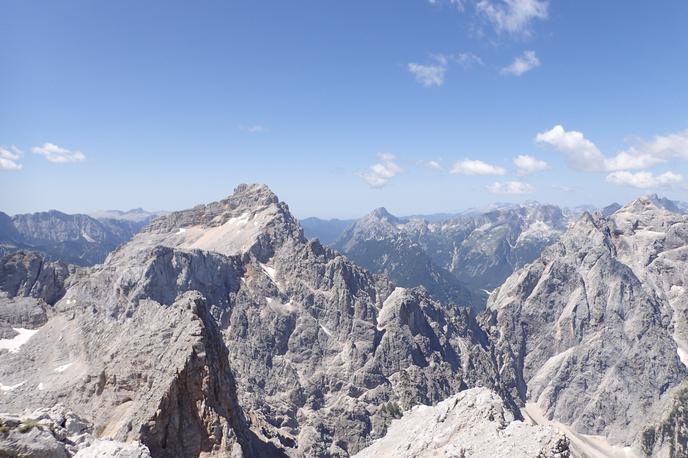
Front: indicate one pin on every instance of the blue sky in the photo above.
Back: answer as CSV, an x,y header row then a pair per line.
x,y
341,107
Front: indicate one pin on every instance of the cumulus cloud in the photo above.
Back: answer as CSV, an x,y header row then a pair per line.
x,y
644,180
9,158
582,154
510,187
475,167
55,153
528,164
522,64
513,16
432,74
379,174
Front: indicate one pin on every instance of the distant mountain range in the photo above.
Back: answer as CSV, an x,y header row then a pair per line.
x,y
76,239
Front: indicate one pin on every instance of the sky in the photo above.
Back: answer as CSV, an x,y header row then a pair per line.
x,y
340,107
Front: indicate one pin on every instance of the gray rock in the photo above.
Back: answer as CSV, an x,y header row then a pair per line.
x,y
591,332
222,330
75,239
477,250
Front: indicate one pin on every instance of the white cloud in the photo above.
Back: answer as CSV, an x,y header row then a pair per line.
x,y
528,164
513,16
433,74
644,180
582,154
429,75
510,187
55,153
475,167
9,158
663,146
378,175
458,3
432,164
252,129
468,60
522,64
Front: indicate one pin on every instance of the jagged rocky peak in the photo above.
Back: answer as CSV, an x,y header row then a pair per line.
x,y
595,330
383,214
674,206
251,217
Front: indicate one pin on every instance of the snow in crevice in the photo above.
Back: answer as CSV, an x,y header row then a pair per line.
x,y
63,368
326,331
15,343
11,387
270,271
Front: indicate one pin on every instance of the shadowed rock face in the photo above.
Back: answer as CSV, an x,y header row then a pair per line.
x,y
27,274
593,329
29,285
378,243
221,330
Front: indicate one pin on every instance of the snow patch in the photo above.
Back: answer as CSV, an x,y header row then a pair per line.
x,y
40,387
87,237
11,387
181,230
682,355
13,344
326,331
270,271
63,368
278,307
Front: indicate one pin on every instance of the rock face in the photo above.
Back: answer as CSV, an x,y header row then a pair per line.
x,y
379,243
668,435
58,433
475,251
74,239
222,330
27,274
473,423
593,332
29,285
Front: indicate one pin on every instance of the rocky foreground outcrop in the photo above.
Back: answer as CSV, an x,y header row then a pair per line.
x,y
594,331
471,424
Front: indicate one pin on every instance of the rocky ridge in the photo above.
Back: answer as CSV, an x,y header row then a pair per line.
x,y
75,239
594,331
471,424
472,252
270,343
